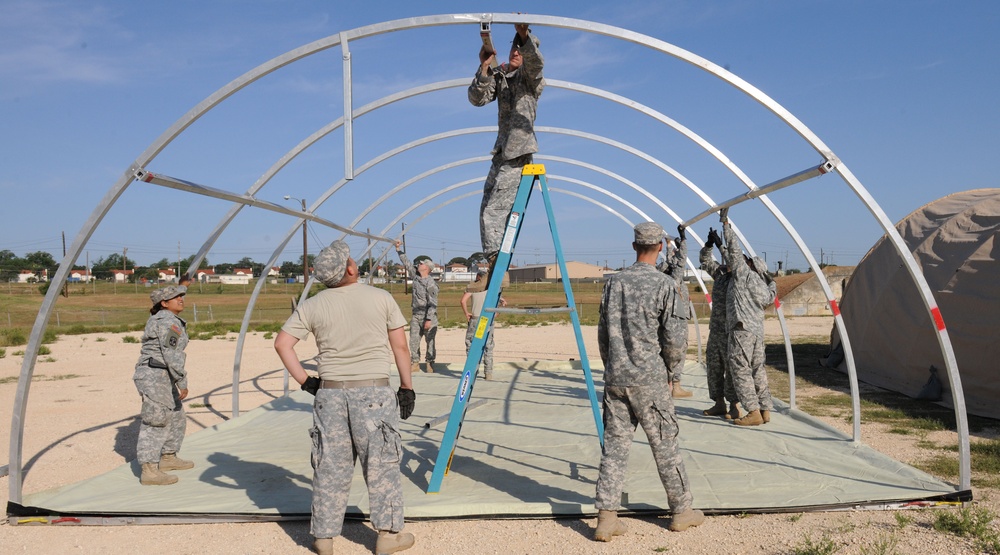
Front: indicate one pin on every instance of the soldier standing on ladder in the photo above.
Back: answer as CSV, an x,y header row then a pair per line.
x,y
516,87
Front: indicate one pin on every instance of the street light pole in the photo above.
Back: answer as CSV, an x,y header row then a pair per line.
x,y
305,242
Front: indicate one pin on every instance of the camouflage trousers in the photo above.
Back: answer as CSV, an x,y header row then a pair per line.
x,y
470,334
417,332
498,199
746,363
652,407
677,344
163,420
720,379
349,424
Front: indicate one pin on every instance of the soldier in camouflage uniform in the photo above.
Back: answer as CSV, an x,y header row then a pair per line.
x,y
359,333
516,87
680,312
630,335
423,310
476,292
161,379
720,380
750,291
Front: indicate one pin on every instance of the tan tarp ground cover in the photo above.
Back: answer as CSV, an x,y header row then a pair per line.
x,y
954,240
530,451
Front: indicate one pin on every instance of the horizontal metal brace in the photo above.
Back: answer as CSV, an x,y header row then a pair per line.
x,y
826,167
181,185
530,310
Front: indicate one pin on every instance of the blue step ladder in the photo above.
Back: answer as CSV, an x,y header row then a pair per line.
x,y
531,174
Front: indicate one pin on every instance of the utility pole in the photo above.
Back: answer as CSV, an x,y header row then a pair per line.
x,y
65,283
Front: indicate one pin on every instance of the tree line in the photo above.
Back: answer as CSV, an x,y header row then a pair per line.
x,y
103,268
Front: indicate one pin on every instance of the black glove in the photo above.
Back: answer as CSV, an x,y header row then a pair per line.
x,y
407,399
680,232
311,385
713,238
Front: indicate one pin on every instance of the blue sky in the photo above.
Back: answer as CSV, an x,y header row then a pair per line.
x,y
902,92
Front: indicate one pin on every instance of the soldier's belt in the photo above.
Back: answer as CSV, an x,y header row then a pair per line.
x,y
339,384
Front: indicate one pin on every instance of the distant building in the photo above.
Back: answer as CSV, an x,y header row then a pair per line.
x,y
274,271
802,294
121,276
29,276
205,274
167,275
550,272
80,275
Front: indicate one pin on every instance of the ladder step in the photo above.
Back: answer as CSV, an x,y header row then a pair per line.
x,y
529,310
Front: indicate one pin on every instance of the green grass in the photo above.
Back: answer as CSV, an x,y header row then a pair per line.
x,y
971,522
903,519
130,339
885,545
824,546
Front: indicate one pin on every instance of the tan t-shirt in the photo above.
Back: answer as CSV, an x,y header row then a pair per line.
x,y
350,324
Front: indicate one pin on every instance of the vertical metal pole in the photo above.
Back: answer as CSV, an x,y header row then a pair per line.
x,y
348,112
305,247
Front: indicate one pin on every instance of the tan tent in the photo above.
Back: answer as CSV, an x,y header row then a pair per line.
x,y
954,240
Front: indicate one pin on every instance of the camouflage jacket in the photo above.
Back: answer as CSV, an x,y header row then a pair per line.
x,y
749,293
424,302
631,331
164,341
720,286
517,95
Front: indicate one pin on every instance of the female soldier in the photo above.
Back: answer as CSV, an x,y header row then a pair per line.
x,y
162,382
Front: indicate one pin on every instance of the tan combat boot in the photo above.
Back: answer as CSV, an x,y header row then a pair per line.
x,y
391,542
323,546
752,418
430,366
678,392
734,411
415,367
153,476
719,409
170,461
765,415
687,519
608,526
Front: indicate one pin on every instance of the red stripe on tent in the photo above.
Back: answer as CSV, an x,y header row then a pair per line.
x,y
777,303
938,320
708,298
834,308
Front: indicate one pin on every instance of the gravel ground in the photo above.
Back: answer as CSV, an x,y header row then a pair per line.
x,y
80,423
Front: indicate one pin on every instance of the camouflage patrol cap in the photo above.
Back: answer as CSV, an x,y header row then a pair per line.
x,y
759,265
427,261
167,293
648,233
331,263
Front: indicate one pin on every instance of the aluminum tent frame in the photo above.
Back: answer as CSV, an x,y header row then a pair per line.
x,y
137,171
